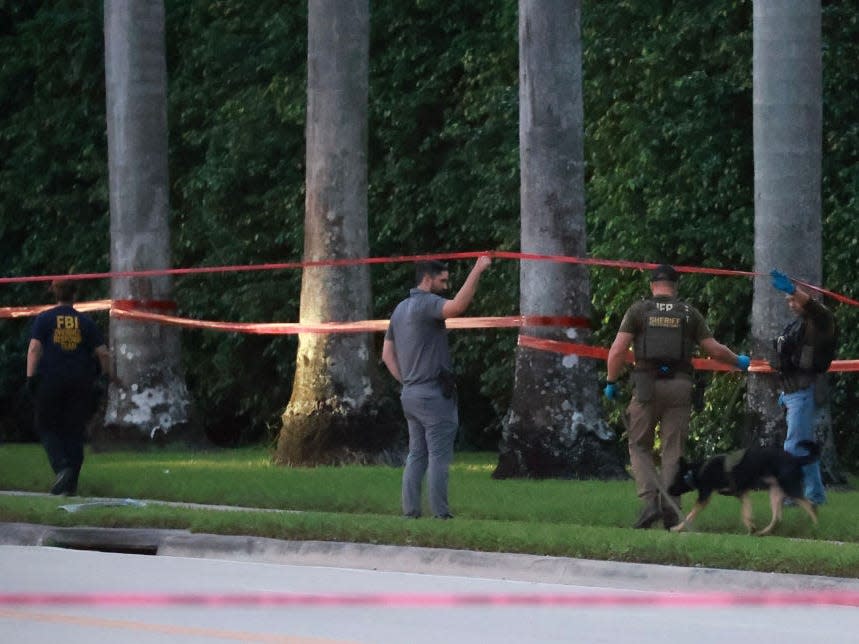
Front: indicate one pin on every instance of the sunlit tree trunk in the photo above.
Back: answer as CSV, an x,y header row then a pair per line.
x,y
787,115
153,401
555,425
334,413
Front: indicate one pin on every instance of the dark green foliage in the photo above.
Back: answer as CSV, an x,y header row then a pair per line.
x,y
668,144
841,205
668,108
53,174
444,170
237,79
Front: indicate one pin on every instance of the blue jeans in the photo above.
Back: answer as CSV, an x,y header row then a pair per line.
x,y
801,408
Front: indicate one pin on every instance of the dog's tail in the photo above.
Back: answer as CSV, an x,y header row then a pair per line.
x,y
813,452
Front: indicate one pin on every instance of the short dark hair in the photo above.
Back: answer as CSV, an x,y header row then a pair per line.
x,y
64,290
431,267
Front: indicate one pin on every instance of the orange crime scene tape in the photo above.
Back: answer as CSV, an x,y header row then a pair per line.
x,y
143,310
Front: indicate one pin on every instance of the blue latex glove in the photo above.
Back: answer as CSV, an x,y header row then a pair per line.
x,y
743,362
782,282
610,390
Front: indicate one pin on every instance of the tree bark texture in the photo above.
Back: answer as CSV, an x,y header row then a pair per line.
x,y
555,425
787,121
336,414
153,400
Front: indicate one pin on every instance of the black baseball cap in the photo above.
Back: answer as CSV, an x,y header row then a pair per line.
x,y
664,273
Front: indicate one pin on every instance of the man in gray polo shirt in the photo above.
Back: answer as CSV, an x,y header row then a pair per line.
x,y
417,354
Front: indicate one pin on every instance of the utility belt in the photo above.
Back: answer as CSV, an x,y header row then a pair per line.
x,y
662,370
644,377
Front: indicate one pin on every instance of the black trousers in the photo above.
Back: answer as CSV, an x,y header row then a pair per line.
x,y
62,408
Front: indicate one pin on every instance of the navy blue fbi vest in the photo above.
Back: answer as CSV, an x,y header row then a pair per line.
x,y
68,339
664,340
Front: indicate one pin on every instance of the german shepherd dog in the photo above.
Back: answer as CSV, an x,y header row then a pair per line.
x,y
739,473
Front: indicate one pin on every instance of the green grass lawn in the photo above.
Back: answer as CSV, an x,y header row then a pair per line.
x,y
588,519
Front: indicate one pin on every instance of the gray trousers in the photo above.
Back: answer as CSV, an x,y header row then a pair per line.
x,y
433,421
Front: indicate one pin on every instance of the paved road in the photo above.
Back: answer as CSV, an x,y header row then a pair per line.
x,y
35,570
212,567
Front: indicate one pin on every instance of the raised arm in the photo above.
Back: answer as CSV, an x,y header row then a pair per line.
x,y
458,305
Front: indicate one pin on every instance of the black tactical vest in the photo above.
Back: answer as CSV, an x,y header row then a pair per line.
x,y
664,338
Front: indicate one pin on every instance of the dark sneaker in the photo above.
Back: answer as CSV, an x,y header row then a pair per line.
x,y
412,515
649,514
63,482
443,517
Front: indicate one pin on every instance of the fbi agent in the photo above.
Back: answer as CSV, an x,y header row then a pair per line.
x,y
65,352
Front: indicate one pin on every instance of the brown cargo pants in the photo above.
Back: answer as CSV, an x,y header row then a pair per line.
x,y
669,407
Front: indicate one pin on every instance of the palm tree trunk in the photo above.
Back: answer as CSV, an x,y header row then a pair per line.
x,y
554,427
153,400
335,415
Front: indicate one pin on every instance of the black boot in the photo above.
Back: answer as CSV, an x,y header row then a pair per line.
x,y
64,481
649,514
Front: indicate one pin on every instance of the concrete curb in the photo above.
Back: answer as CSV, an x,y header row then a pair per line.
x,y
128,540
438,561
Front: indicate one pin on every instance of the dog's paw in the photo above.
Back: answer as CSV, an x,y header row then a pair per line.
x,y
679,527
